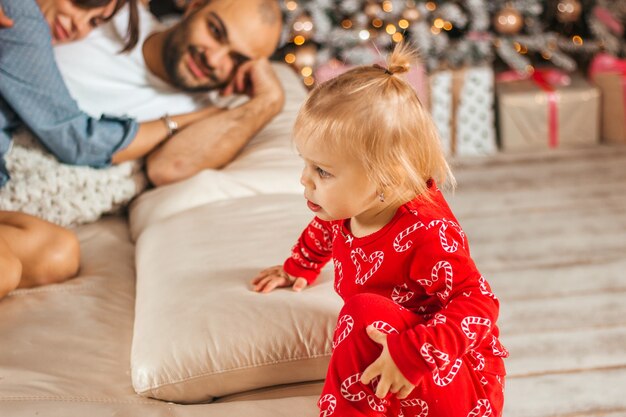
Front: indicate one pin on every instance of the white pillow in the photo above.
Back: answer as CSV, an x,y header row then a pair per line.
x,y
268,164
200,332
67,195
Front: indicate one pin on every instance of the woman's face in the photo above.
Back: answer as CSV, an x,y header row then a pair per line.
x,y
69,22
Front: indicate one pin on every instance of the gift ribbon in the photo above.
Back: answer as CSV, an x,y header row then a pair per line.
x,y
546,79
603,63
609,20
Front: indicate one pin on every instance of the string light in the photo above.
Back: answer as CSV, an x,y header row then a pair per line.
x,y
346,23
387,6
364,34
403,23
309,81
299,40
390,29
291,5
447,26
438,23
290,58
306,71
577,40
431,6
434,30
397,37
377,23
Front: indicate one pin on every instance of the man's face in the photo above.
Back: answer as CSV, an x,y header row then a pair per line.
x,y
204,50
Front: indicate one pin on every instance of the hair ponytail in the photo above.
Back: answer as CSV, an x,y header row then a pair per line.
x,y
400,60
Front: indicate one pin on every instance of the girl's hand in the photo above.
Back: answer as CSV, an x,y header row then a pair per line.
x,y
275,277
5,21
391,379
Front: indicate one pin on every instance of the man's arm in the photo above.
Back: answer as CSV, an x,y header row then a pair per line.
x,y
216,140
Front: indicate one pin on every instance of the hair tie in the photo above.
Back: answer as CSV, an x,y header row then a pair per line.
x,y
383,68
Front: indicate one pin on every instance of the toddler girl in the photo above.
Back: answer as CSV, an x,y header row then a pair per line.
x,y
417,335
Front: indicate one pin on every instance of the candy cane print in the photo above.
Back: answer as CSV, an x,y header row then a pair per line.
x,y
501,381
376,256
398,240
331,403
338,275
328,243
428,351
482,409
434,276
484,290
478,357
383,327
443,238
415,402
376,404
497,348
447,268
438,319
349,382
303,262
349,322
474,321
442,381
401,294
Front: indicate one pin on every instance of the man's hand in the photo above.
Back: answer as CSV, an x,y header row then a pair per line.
x,y
257,79
5,22
275,277
391,379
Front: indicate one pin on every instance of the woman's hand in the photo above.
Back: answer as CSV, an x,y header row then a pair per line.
x,y
391,379
275,277
5,22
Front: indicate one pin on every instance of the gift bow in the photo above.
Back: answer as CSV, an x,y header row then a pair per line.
x,y
604,62
546,79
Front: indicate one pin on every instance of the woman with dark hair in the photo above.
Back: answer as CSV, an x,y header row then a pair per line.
x,y
33,95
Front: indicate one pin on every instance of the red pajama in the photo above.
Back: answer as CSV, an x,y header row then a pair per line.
x,y
415,281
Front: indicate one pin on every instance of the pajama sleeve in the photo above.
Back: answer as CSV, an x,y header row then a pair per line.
x,y
312,251
442,266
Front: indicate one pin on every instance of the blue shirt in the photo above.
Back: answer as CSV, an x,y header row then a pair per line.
x,y
33,94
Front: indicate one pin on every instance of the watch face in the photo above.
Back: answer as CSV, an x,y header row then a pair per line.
x,y
171,125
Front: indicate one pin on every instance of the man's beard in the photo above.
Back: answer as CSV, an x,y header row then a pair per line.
x,y
174,49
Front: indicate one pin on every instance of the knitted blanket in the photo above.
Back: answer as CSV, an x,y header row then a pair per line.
x,y
67,195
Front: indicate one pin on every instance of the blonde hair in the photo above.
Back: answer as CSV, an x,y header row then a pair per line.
x,y
376,117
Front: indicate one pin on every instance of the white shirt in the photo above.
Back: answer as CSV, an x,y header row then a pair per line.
x,y
103,80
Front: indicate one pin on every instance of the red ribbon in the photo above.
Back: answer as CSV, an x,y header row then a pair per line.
x,y
603,63
546,79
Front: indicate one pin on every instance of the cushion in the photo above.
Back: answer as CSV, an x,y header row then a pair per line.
x,y
67,195
269,164
200,331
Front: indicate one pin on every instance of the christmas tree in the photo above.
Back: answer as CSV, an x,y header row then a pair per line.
x,y
452,34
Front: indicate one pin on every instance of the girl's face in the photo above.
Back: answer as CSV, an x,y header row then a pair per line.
x,y
336,186
69,22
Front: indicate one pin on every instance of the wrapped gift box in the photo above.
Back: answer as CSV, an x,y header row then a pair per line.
x,y
609,75
525,120
462,109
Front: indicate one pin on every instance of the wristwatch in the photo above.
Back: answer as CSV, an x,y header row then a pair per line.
x,y
171,125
